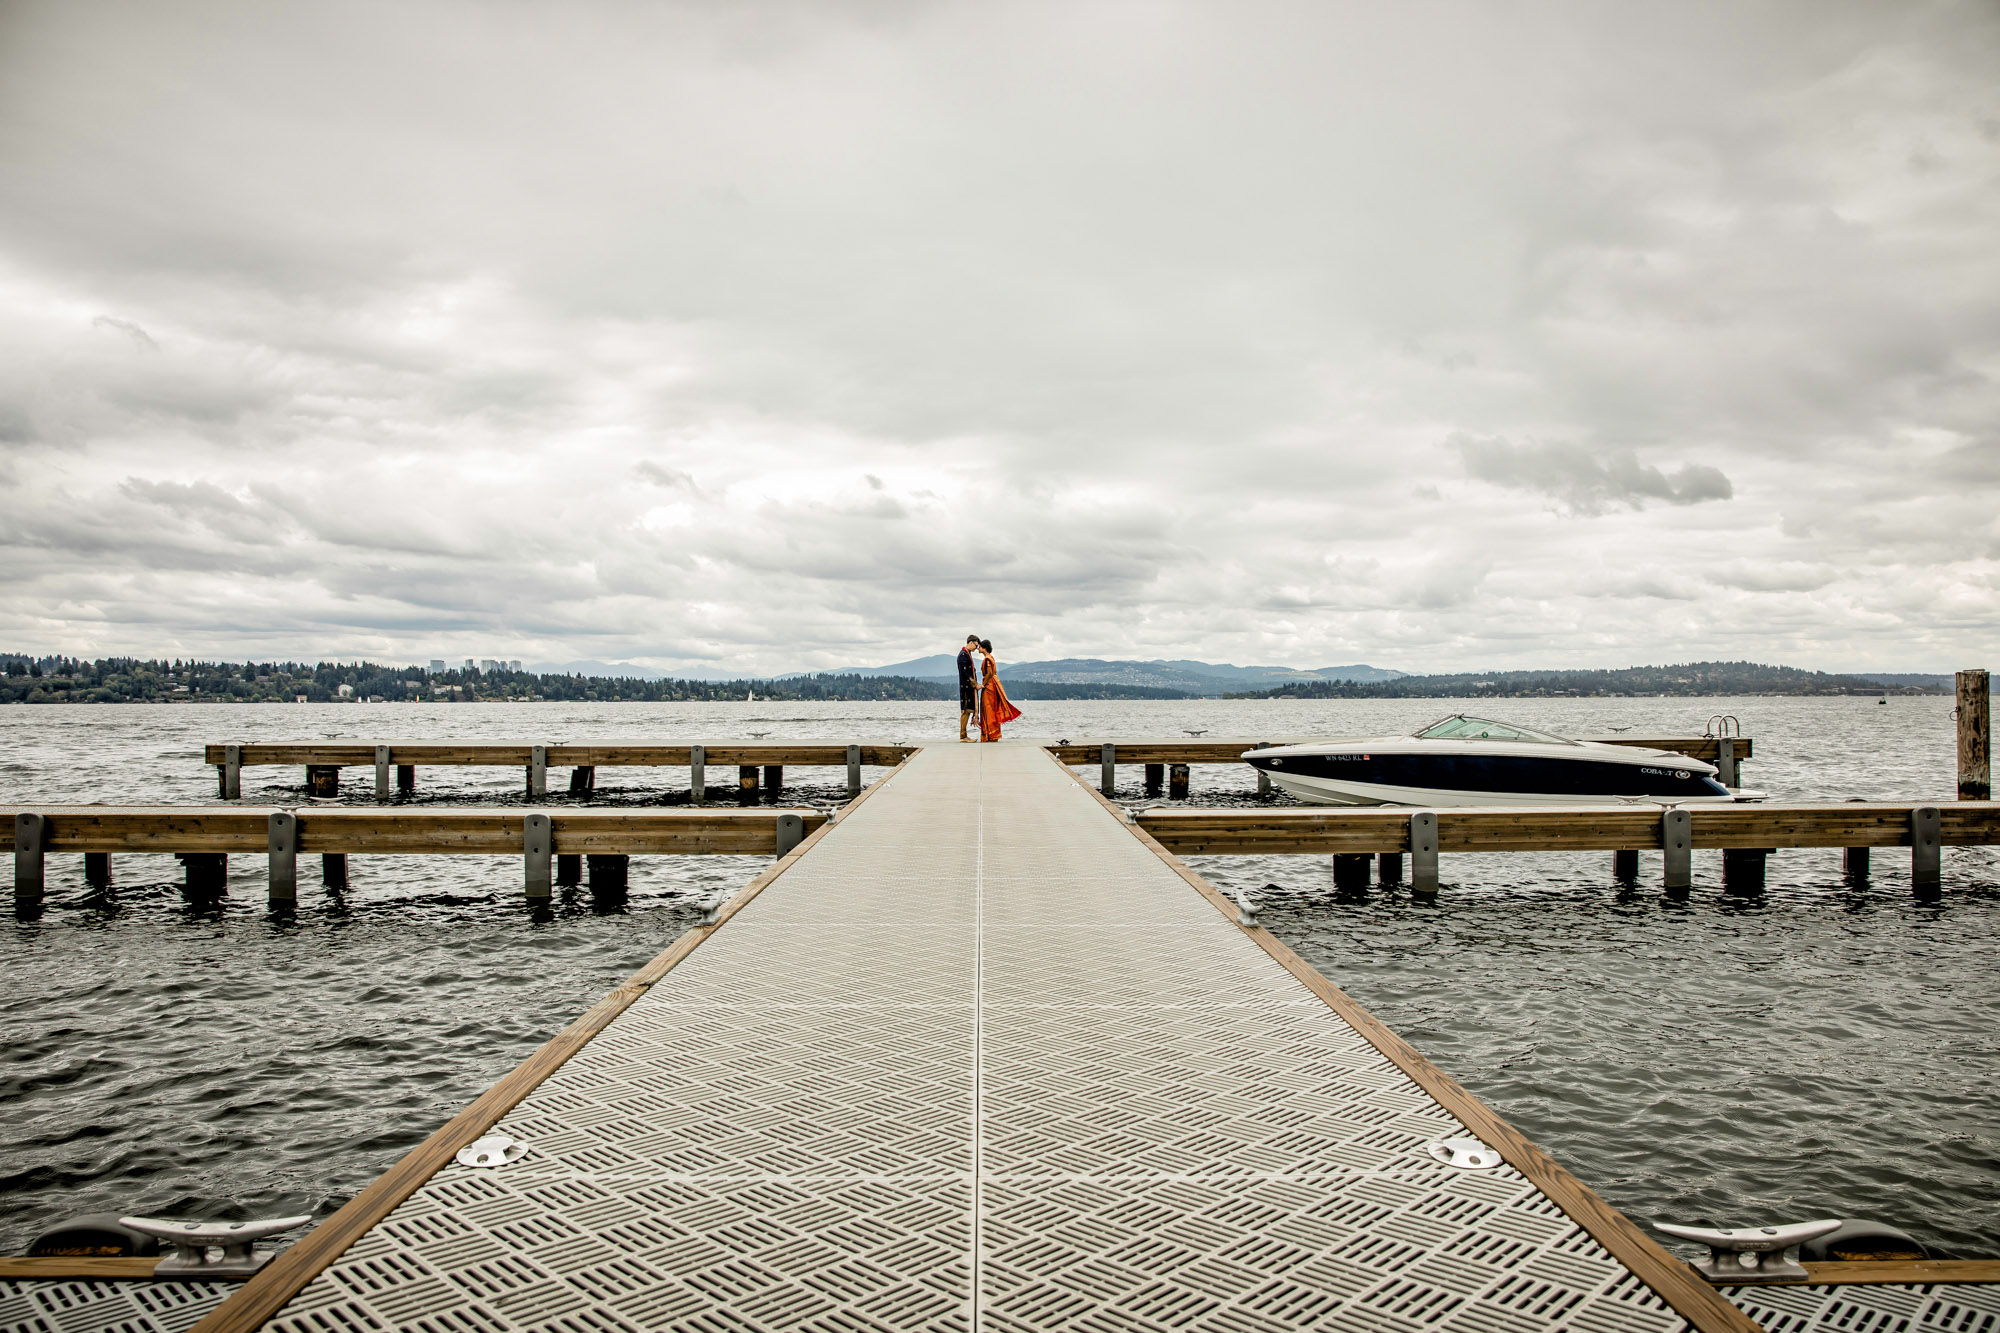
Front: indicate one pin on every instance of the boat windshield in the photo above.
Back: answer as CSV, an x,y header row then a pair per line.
x,y
1459,727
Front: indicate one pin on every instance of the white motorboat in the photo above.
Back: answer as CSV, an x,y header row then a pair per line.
x,y
1476,761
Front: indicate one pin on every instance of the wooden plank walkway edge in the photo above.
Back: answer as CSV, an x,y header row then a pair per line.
x,y
281,1279
402,831
1674,1281
590,754
1363,829
1139,750
875,754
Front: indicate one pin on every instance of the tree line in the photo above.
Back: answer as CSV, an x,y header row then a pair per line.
x,y
1691,678
107,680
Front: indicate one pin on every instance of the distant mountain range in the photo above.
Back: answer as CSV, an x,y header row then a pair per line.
x,y
1209,678
1690,678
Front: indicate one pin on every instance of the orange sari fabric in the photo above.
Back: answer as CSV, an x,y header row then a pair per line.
x,y
994,708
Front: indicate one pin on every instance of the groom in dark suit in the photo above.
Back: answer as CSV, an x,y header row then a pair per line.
x,y
968,685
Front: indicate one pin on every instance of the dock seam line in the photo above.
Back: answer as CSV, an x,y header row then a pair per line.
x,y
1685,1291
273,1287
978,1043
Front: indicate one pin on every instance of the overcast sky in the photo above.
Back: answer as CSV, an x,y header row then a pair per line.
x,y
768,336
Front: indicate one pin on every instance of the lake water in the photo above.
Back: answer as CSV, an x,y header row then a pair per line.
x,y
1816,1049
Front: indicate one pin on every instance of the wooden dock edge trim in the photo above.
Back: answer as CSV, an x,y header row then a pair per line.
x,y
286,1275
1899,1272
1674,1282
84,1268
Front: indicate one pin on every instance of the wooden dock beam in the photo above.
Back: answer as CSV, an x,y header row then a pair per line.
x,y
204,837
1140,751
1676,832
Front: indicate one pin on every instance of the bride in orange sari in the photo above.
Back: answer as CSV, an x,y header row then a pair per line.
x,y
994,708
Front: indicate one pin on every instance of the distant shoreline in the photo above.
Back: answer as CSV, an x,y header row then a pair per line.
x,y
71,681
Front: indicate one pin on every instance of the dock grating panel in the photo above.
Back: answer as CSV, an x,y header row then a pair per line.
x,y
1872,1309
979,1060
106,1307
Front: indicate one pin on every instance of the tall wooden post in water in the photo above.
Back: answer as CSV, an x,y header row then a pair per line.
x,y
1975,736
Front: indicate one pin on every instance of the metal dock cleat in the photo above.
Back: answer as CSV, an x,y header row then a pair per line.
x,y
1246,911
493,1150
193,1240
1464,1154
1741,1255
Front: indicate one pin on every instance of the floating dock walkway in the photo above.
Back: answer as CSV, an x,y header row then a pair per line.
x,y
980,1058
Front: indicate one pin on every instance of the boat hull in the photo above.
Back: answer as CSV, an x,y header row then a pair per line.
x,y
1415,771
1321,791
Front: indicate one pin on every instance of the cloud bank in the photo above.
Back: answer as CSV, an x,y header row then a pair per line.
x,y
779,336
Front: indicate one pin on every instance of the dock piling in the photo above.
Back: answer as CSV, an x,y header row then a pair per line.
x,y
583,780
1926,847
1156,777
697,774
229,773
608,874
1854,864
1625,865
97,869
538,771
282,843
1424,854
537,845
323,780
1350,870
1975,736
1107,769
746,783
1743,869
853,771
205,872
569,869
1389,867
774,780
1677,850
30,834
381,772
333,870
1177,782
406,778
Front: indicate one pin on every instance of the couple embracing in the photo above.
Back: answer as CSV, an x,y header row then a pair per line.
x,y
985,696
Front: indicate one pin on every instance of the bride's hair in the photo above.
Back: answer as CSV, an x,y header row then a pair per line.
x,y
986,645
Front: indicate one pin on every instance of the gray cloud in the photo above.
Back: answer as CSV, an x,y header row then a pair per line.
x,y
791,335
125,326
1587,480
